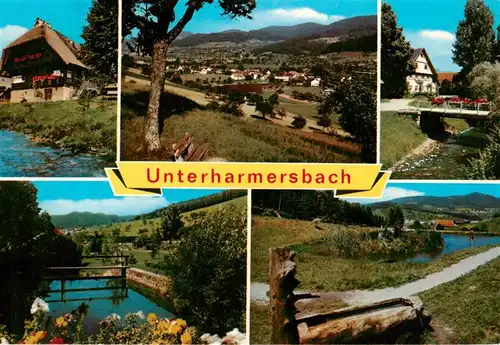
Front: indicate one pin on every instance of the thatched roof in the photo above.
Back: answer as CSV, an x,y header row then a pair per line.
x,y
63,46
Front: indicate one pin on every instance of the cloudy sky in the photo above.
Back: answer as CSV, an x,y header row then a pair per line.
x,y
63,197
432,24
396,190
66,16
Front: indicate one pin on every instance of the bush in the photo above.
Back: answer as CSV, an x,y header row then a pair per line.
x,y
345,243
208,271
299,122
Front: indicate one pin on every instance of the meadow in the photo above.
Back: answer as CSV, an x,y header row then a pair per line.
x,y
233,139
319,272
465,311
64,124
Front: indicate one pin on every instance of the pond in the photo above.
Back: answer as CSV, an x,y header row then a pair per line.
x,y
448,161
19,156
454,243
103,303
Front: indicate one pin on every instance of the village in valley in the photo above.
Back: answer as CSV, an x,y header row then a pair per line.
x,y
58,91
266,94
403,269
439,108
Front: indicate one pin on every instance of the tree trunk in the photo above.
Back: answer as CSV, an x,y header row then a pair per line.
x,y
159,64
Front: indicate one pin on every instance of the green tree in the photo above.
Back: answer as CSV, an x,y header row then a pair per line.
x,y
155,20
172,223
395,55
484,80
487,165
100,49
299,122
475,37
208,271
396,219
356,102
324,121
267,106
28,245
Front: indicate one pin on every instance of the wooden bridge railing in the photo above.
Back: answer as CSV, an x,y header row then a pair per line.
x,y
72,273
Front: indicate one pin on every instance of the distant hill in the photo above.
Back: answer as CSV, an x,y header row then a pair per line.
x,y
128,43
474,200
80,219
352,34
195,204
346,28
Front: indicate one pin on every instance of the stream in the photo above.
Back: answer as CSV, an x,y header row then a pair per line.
x,y
21,157
448,161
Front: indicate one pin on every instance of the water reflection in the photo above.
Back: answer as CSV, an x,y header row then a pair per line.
x,y
454,243
119,299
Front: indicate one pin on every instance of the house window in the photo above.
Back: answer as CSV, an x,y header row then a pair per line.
x,y
425,66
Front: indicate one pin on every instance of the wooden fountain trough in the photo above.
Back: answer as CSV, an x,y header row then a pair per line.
x,y
400,320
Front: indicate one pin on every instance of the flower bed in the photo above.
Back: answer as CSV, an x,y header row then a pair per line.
x,y
136,328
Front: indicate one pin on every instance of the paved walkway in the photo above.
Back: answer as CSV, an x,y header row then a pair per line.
x,y
359,297
396,104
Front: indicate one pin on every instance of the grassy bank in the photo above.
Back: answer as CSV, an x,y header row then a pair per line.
x,y
319,272
64,125
229,138
465,311
399,135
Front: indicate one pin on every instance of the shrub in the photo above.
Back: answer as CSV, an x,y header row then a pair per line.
x,y
299,122
208,271
346,243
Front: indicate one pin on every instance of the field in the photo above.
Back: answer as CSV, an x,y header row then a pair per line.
x,y
399,135
233,139
465,311
64,124
319,272
132,228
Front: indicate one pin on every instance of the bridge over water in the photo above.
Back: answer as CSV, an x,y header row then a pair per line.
x,y
429,118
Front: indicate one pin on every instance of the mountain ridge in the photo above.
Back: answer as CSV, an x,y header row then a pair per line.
x,y
472,200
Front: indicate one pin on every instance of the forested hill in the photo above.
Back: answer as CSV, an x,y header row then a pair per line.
x,y
194,204
81,219
473,200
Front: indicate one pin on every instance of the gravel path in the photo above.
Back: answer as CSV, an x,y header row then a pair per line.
x,y
359,297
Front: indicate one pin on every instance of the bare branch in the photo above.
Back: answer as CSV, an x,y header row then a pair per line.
x,y
177,29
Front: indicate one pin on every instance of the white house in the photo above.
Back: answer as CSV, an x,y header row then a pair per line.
x,y
316,82
237,76
425,78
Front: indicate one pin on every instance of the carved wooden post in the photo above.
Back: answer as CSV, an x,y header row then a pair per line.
x,y
282,282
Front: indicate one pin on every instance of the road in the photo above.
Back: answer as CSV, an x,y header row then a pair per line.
x,y
396,104
361,297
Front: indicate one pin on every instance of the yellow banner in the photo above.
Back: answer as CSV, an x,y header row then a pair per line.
x,y
149,178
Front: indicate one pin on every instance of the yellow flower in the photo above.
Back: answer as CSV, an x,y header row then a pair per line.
x,y
175,329
186,339
152,318
163,326
61,322
36,338
181,323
